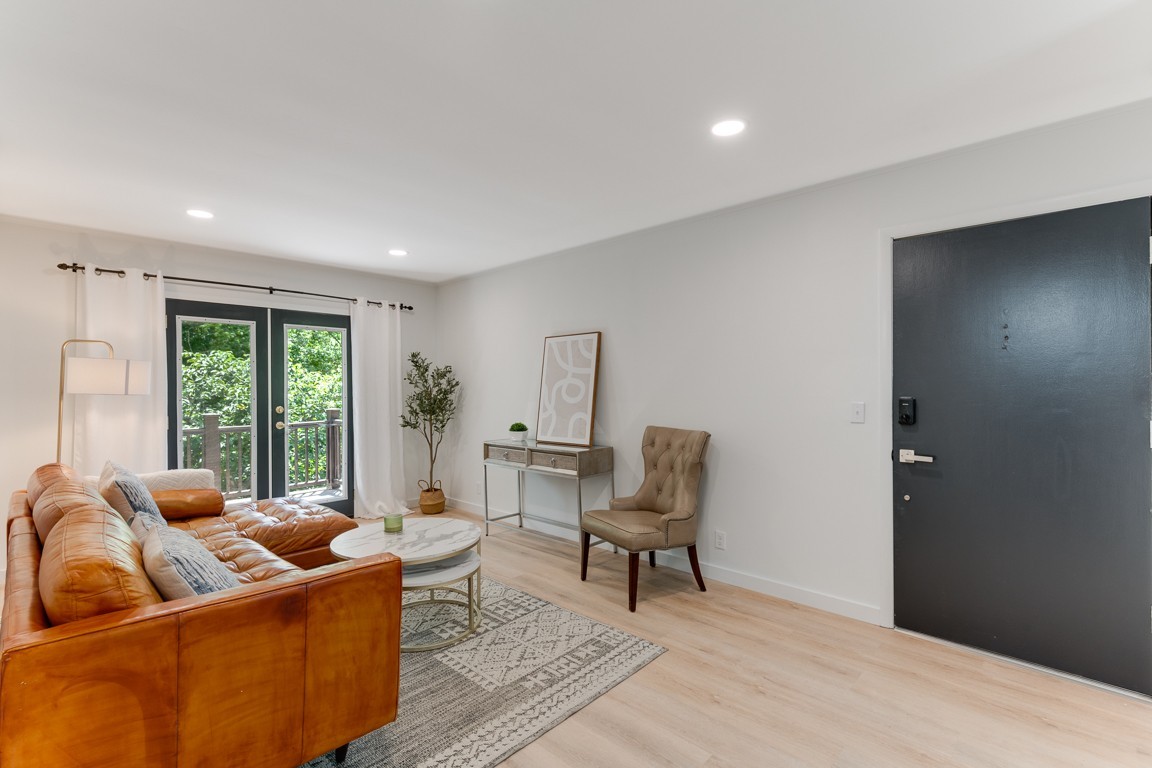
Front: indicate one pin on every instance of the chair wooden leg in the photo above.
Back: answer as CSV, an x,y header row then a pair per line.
x,y
696,567
652,558
584,539
633,573
341,753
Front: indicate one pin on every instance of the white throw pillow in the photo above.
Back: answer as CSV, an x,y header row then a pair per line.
x,y
178,479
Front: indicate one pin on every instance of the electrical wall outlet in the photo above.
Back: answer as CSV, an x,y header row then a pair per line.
x,y
720,539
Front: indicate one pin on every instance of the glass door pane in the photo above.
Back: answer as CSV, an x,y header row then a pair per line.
x,y
315,409
311,448
218,394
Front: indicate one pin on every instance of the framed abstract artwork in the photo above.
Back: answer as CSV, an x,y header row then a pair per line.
x,y
568,389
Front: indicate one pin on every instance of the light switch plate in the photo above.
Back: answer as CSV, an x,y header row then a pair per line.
x,y
857,415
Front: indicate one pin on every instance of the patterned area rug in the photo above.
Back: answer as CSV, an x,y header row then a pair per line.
x,y
529,666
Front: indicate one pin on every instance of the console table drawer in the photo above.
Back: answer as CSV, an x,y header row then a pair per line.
x,y
510,455
564,462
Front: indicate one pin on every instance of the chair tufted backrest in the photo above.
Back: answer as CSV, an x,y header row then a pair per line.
x,y
672,462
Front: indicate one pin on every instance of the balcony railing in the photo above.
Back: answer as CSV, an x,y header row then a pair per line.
x,y
315,454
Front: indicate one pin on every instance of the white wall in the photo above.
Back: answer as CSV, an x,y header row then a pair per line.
x,y
761,324
39,314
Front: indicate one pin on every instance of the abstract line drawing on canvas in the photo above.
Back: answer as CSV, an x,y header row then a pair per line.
x,y
567,388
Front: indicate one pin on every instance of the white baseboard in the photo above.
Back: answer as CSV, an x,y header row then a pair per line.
x,y
467,506
790,592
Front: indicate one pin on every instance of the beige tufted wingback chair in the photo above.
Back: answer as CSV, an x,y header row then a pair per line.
x,y
662,513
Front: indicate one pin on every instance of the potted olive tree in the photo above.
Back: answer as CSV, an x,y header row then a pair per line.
x,y
428,408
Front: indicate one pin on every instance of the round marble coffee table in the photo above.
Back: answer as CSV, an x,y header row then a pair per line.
x,y
436,554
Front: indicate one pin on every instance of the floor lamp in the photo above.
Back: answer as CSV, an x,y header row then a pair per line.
x,y
98,376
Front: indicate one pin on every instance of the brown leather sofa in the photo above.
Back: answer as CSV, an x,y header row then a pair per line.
x,y
287,666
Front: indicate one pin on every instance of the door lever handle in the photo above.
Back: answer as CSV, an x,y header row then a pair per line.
x,y
909,456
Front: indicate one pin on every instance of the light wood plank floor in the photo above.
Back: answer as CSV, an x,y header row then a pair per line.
x,y
749,680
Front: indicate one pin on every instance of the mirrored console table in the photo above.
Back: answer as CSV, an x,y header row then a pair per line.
x,y
544,459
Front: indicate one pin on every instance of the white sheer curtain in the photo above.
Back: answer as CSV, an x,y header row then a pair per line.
x,y
376,379
127,312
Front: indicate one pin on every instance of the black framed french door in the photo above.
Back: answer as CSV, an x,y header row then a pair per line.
x,y
263,398
311,386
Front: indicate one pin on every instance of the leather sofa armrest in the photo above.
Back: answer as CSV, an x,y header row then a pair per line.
x,y
266,672
129,618
18,506
623,503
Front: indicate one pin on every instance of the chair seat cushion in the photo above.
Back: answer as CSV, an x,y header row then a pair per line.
x,y
636,530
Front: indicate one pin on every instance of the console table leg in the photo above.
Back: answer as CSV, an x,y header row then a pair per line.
x,y
520,497
485,499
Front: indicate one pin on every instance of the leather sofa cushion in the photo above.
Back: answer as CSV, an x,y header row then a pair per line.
x,y
92,565
182,504
57,500
282,525
245,558
43,477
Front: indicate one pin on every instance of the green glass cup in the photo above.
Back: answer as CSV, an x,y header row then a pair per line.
x,y
393,523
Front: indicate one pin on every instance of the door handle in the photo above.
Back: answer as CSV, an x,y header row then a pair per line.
x,y
909,456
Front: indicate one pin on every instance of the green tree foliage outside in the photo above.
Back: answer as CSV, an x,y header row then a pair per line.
x,y
216,375
315,383
217,378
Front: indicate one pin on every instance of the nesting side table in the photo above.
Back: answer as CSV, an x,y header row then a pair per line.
x,y
436,554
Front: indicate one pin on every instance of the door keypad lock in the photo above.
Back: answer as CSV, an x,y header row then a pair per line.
x,y
906,411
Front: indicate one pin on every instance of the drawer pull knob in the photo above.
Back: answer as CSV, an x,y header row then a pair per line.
x,y
505,455
552,461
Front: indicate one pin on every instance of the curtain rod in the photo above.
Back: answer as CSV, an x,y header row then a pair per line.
x,y
74,267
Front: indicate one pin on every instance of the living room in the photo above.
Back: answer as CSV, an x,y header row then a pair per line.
x,y
760,321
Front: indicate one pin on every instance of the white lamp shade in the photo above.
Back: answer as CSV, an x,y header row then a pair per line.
x,y
107,376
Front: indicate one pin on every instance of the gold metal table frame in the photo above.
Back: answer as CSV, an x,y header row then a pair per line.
x,y
446,578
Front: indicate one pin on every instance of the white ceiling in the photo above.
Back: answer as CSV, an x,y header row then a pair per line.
x,y
476,133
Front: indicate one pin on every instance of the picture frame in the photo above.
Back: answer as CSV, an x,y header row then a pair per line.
x,y
568,377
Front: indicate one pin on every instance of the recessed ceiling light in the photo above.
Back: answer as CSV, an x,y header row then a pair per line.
x,y
728,127
397,252
198,214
